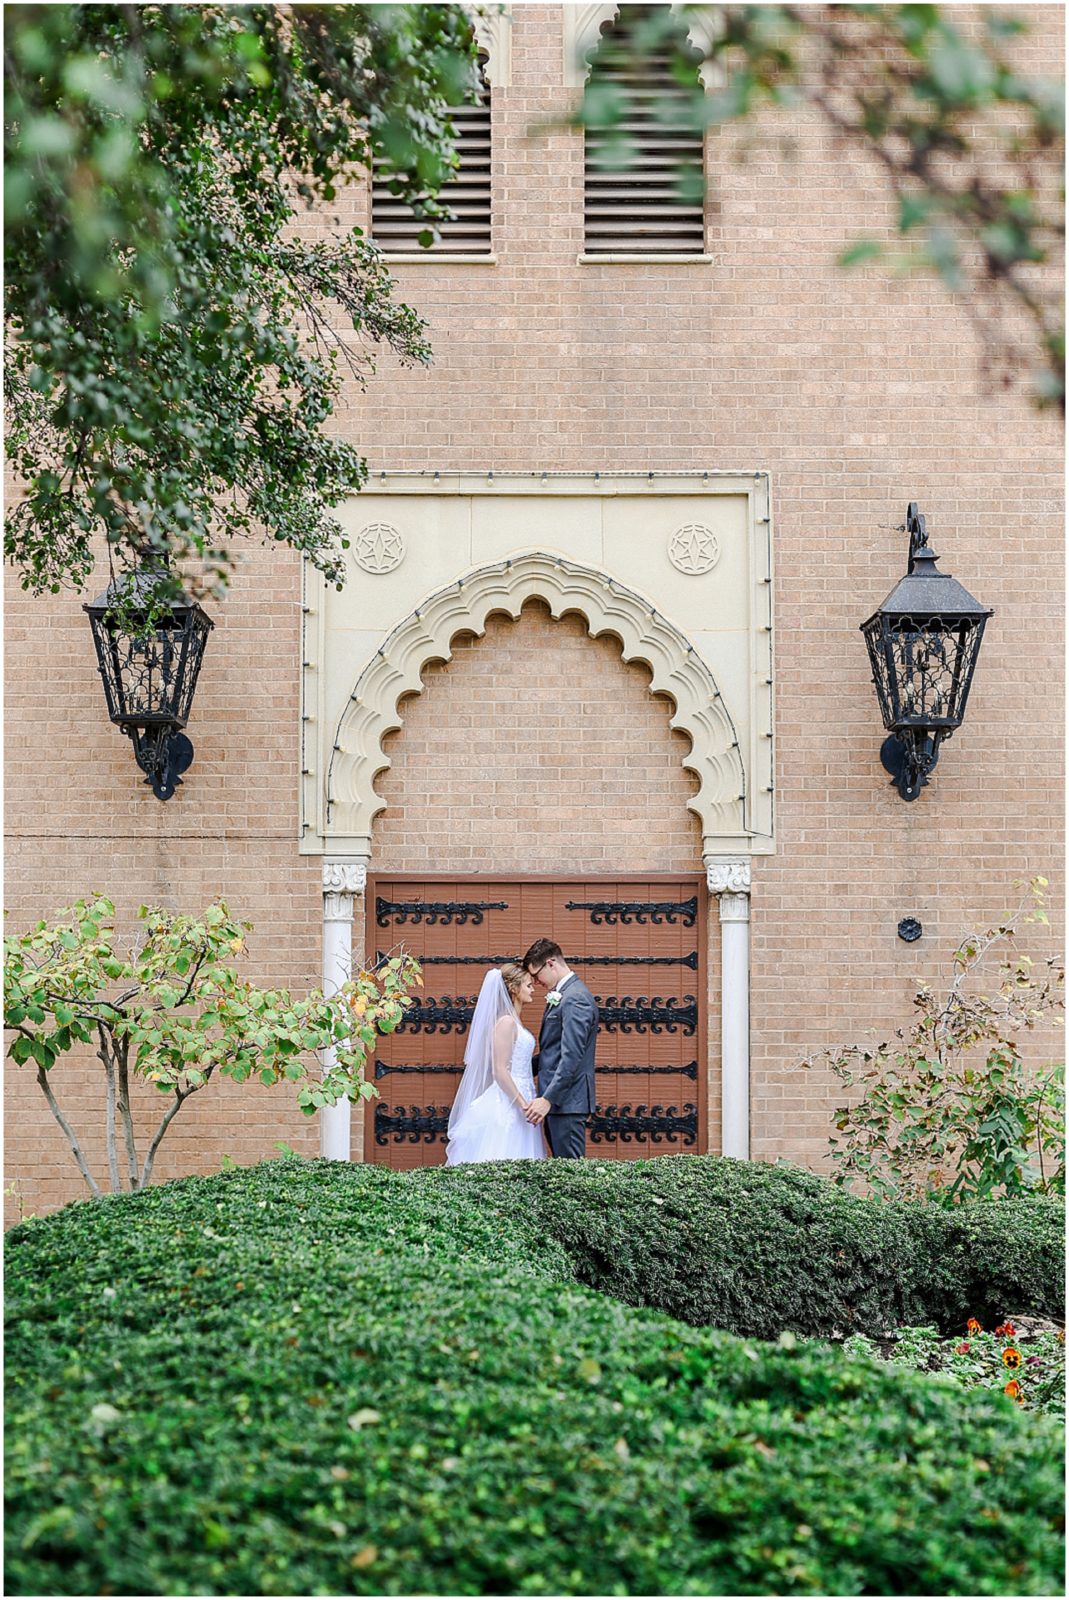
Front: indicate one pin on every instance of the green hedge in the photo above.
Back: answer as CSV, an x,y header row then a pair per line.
x,y
996,1256
757,1249
308,1378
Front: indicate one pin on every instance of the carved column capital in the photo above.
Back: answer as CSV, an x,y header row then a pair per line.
x,y
344,877
728,875
734,908
342,880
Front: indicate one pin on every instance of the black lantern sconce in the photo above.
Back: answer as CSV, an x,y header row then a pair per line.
x,y
923,643
150,672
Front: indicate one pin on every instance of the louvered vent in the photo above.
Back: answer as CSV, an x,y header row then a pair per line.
x,y
396,228
636,209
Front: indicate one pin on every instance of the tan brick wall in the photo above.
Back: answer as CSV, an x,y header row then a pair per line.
x,y
857,393
536,749
78,819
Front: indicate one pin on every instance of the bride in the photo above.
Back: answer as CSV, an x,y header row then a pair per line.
x,y
487,1121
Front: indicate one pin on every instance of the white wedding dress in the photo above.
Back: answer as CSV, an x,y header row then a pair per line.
x,y
492,1128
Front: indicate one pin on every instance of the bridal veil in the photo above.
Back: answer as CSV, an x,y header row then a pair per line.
x,y
493,1004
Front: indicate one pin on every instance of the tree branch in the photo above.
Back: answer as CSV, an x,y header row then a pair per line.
x,y
109,1112
83,1007
184,996
180,1097
124,1110
46,1087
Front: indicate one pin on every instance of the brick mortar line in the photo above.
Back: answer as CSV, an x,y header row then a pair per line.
x,y
170,838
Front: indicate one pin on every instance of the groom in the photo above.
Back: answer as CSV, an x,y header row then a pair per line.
x,y
565,1051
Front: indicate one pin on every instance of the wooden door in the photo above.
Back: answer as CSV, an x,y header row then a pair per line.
x,y
638,944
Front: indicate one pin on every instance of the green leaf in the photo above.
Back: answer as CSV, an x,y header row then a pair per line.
x,y
861,250
959,71
47,137
941,251
913,209
89,78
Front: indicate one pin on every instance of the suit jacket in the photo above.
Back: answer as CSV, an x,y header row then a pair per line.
x,y
566,1051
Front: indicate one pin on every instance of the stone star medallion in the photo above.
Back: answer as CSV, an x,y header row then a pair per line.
x,y
379,548
694,549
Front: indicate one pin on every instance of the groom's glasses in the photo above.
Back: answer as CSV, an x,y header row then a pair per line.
x,y
537,970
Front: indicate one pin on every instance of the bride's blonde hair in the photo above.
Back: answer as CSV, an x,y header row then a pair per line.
x,y
512,976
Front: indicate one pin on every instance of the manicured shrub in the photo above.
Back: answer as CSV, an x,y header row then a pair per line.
x,y
757,1249
992,1258
307,1378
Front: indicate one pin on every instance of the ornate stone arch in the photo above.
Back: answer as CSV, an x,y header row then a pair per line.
x,y
607,607
493,30
582,31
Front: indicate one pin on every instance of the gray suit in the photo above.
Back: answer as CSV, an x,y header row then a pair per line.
x,y
566,1067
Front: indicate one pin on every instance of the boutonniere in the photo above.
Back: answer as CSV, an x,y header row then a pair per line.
x,y
553,998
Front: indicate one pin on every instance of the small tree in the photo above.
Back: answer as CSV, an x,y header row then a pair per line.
x,y
175,1012
949,1108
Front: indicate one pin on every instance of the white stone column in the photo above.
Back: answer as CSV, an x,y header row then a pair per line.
x,y
342,882
729,880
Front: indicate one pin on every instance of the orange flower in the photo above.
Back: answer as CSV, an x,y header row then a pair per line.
x,y
1007,1330
1011,1357
1013,1389
973,1326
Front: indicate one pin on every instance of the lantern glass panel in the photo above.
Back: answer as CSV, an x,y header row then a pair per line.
x,y
150,678
926,658
145,666
922,668
935,658
881,661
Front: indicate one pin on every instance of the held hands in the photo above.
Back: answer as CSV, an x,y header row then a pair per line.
x,y
538,1110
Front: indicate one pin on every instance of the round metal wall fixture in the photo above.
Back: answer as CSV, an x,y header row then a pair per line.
x,y
694,549
909,929
379,548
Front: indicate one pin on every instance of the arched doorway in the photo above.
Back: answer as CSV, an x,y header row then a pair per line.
x,y
672,569
535,788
